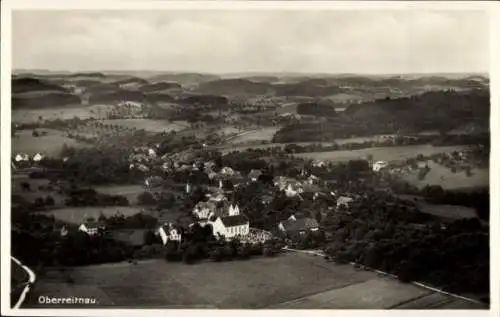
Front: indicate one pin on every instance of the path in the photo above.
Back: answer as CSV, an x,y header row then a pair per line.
x,y
27,287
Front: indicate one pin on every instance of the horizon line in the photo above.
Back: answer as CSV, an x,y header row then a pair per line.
x,y
248,72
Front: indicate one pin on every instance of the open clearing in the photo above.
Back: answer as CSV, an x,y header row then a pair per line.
x,y
129,191
50,144
241,147
255,283
393,153
443,176
148,124
452,212
264,134
37,189
76,215
63,113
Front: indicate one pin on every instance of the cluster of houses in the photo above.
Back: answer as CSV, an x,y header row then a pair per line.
x,y
293,187
24,160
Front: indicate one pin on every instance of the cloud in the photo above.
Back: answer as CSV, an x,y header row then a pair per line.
x,y
235,41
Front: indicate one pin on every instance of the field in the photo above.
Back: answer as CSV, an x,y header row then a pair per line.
x,y
240,147
264,134
148,124
393,153
129,191
256,283
63,113
440,175
289,107
77,215
35,190
50,145
447,211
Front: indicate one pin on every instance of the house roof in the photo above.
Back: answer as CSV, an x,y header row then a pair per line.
x,y
94,224
206,204
254,173
170,226
232,221
344,199
300,224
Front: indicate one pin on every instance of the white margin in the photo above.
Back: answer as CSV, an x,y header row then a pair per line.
x,y
8,5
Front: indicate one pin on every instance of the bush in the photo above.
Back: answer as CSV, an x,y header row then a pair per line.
x,y
146,198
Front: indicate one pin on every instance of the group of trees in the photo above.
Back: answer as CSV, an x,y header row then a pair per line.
x,y
37,240
95,166
441,110
137,221
393,236
89,197
317,109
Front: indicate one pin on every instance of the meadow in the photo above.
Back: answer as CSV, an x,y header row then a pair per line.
x,y
63,113
50,144
447,211
443,176
256,283
76,215
38,189
148,124
129,191
264,134
393,153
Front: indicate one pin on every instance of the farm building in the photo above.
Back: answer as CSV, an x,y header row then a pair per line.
x,y
378,166
92,227
253,175
38,157
203,209
344,201
169,232
298,226
227,171
22,157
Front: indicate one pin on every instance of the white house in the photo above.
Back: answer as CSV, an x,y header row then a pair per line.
x,y
151,153
217,197
231,226
38,157
91,227
292,192
379,165
293,225
143,168
227,171
203,209
22,157
422,164
318,164
312,179
344,201
169,232
254,174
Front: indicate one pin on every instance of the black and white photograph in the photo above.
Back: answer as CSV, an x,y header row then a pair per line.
x,y
247,156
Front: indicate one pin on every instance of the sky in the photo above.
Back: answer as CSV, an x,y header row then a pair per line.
x,y
222,41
